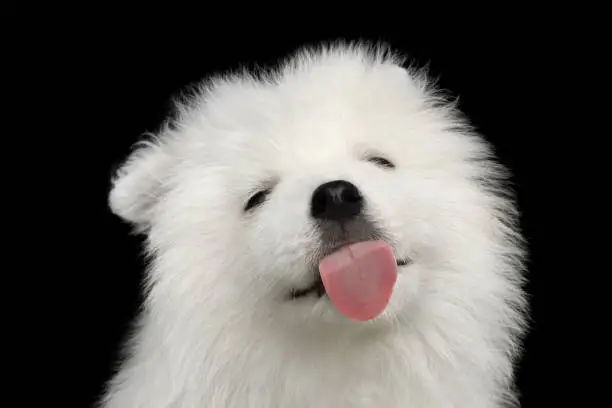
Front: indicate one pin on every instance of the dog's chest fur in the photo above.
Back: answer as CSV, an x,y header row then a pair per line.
x,y
255,370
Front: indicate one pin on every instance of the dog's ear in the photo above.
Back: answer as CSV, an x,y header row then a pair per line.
x,y
138,183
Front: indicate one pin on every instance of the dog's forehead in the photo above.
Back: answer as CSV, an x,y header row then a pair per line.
x,y
324,112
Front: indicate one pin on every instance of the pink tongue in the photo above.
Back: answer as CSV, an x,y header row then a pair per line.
x,y
359,279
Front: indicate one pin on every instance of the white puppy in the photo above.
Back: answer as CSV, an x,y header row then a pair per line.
x,y
331,234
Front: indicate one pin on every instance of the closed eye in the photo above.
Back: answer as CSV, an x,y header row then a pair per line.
x,y
256,200
381,162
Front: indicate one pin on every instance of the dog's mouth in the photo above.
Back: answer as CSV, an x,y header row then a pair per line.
x,y
317,289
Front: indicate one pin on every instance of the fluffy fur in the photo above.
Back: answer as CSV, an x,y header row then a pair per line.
x,y
217,329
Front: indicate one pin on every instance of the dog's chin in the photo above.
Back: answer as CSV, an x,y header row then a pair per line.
x,y
314,314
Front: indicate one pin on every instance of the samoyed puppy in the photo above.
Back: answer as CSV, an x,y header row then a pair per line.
x,y
328,234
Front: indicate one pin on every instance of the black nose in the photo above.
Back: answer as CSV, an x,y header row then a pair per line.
x,y
336,201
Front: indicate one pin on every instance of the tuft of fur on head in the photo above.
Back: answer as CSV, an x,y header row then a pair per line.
x,y
217,328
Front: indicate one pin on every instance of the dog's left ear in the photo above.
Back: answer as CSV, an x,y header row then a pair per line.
x,y
412,78
139,183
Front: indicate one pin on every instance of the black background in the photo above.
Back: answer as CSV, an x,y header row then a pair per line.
x,y
116,78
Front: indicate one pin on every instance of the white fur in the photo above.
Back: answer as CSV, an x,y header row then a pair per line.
x,y
216,329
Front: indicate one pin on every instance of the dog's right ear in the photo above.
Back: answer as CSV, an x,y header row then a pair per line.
x,y
138,184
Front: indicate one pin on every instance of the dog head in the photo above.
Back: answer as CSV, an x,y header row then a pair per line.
x,y
260,178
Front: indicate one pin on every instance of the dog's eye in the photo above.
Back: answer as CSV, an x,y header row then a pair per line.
x,y
381,162
256,200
